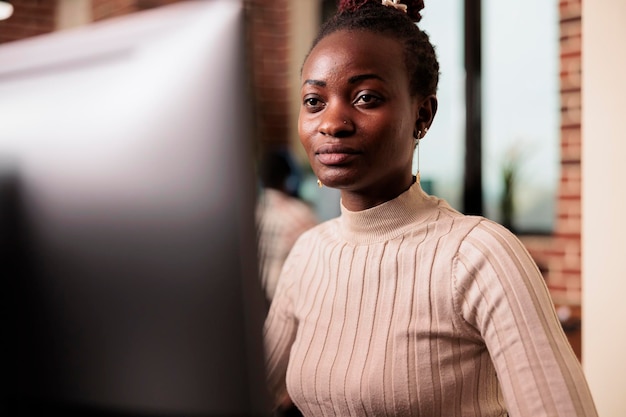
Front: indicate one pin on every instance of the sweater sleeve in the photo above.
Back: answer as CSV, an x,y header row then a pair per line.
x,y
501,293
280,328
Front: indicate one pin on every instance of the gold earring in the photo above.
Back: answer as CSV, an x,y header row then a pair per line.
x,y
319,183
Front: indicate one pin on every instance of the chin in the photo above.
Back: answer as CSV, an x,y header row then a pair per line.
x,y
341,182
338,174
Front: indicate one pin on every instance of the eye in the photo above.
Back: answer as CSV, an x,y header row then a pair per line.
x,y
367,100
312,103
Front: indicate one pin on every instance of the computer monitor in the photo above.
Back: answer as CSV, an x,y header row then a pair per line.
x,y
128,256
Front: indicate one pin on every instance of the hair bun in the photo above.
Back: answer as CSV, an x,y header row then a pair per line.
x,y
414,7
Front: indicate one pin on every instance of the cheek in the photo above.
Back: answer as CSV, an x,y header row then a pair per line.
x,y
397,143
304,132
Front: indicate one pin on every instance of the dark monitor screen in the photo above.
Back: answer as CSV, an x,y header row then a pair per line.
x,y
128,252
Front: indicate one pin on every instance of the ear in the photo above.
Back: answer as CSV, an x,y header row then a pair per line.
x,y
425,113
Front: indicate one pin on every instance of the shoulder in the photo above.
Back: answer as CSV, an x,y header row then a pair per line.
x,y
475,245
491,256
494,276
491,239
471,231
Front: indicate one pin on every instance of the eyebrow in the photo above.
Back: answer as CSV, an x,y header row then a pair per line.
x,y
352,80
356,78
315,82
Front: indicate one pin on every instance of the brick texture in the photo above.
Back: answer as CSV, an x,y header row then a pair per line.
x,y
104,9
30,18
268,25
565,279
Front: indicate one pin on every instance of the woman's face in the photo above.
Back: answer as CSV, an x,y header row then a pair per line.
x,y
357,116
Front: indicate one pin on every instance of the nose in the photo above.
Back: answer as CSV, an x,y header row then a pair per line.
x,y
335,122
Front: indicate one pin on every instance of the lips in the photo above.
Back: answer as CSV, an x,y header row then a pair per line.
x,y
335,154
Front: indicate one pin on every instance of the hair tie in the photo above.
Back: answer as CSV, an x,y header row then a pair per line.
x,y
395,4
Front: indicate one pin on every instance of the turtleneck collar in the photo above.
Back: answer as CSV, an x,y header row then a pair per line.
x,y
390,219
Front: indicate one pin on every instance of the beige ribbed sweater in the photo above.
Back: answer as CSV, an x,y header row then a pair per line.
x,y
413,309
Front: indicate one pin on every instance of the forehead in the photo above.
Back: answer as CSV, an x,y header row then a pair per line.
x,y
350,52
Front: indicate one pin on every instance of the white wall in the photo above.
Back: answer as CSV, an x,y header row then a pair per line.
x,y
604,203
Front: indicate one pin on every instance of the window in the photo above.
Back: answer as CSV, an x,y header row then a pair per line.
x,y
521,114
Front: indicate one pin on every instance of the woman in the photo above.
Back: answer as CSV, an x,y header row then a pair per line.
x,y
402,305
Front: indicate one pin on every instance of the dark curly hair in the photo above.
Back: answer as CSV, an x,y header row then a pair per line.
x,y
372,16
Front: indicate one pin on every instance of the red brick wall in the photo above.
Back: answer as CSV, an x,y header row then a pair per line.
x,y
566,279
268,39
104,9
30,18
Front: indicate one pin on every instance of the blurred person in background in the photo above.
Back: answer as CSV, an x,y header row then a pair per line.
x,y
282,216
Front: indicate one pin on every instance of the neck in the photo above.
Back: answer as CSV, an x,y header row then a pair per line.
x,y
358,200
